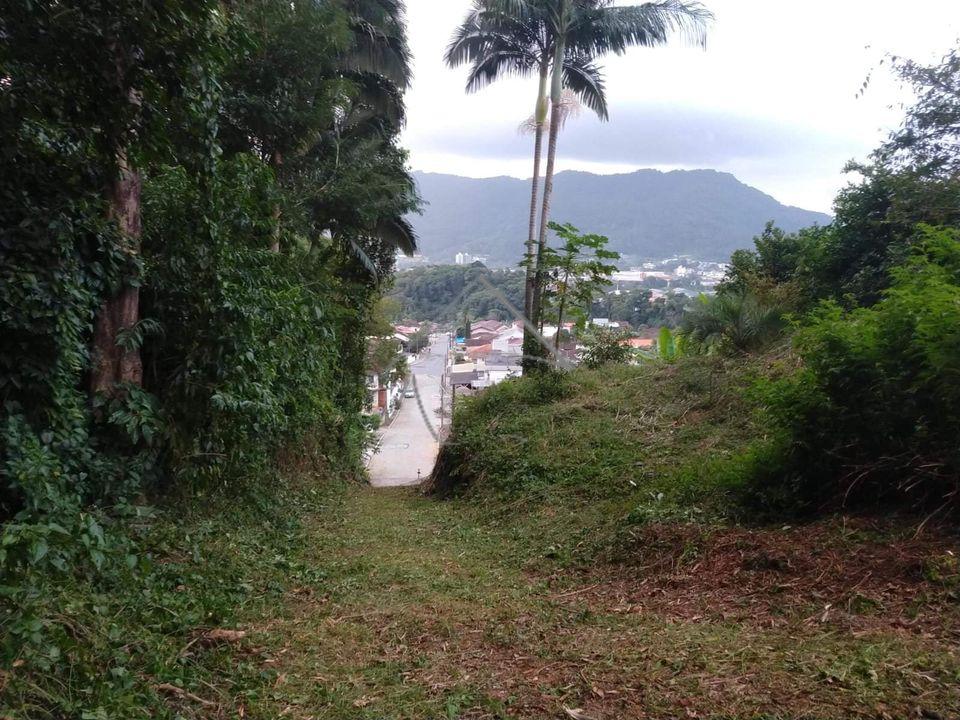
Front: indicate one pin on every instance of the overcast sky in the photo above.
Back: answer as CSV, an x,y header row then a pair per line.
x,y
773,99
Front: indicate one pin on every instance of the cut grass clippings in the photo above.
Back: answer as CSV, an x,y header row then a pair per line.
x,y
428,611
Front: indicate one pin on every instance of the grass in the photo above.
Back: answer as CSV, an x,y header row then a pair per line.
x,y
382,605
598,453
589,568
134,642
430,611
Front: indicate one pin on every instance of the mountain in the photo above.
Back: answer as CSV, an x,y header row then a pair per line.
x,y
647,214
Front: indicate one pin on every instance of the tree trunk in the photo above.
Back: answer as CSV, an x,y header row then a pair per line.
x,y
277,162
112,364
545,216
563,303
540,117
556,97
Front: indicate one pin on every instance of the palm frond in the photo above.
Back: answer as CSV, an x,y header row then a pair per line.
x,y
497,65
360,254
398,233
585,79
600,28
376,51
376,95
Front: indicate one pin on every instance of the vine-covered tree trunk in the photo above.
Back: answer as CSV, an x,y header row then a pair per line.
x,y
111,363
277,162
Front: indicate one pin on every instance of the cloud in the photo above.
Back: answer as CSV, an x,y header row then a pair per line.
x,y
653,136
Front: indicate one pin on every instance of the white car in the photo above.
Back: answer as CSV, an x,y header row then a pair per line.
x,y
410,394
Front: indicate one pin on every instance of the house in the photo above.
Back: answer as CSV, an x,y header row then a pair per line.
x,y
509,341
479,352
492,327
639,343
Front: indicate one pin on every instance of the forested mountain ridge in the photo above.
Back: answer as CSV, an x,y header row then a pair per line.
x,y
646,214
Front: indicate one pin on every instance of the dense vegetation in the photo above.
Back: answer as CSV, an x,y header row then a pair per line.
x,y
638,307
199,205
445,293
851,331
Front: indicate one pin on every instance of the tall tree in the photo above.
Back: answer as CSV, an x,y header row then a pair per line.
x,y
579,270
113,75
500,40
588,29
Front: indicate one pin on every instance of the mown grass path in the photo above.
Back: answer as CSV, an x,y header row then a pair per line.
x,y
424,611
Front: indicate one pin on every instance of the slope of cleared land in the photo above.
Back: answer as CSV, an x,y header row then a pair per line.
x,y
597,563
427,609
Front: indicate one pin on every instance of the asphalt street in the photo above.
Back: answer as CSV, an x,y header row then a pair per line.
x,y
408,446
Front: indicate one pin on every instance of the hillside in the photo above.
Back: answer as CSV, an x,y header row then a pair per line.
x,y
646,214
638,495
443,293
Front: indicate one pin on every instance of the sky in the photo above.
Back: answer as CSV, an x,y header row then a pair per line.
x,y
776,98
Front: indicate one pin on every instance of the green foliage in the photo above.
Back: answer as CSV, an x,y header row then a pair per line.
x,y
614,443
272,209
911,180
574,273
928,143
637,307
231,367
668,346
98,636
444,293
732,321
875,412
603,346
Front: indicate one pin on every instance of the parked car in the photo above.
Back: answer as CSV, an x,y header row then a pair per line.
x,y
410,394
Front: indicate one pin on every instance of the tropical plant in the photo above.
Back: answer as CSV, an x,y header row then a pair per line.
x,y
603,346
732,321
577,271
499,40
669,346
875,410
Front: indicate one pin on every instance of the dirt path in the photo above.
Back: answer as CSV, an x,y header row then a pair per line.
x,y
421,611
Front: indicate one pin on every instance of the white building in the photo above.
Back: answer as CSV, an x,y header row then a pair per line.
x,y
509,342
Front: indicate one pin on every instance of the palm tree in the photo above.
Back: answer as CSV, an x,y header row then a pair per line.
x,y
377,63
378,60
498,41
559,40
588,29
734,321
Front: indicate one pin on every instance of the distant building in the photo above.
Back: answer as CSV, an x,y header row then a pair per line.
x,y
462,258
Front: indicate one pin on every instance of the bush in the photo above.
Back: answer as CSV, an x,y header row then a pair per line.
x,y
605,347
876,410
230,363
733,321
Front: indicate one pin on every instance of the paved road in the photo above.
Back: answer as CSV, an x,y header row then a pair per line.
x,y
407,445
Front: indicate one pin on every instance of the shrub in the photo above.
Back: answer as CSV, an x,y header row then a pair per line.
x,y
733,321
876,410
605,347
